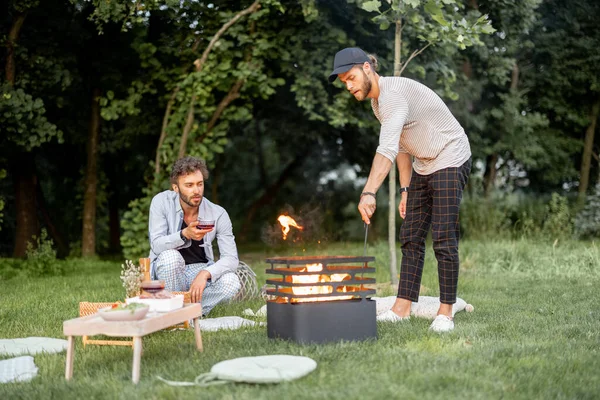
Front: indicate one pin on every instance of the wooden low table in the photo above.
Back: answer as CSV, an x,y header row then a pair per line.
x,y
95,325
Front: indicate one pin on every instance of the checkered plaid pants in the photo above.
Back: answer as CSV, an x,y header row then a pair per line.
x,y
170,267
433,202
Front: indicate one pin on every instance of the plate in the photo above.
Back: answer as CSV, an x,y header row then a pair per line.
x,y
123,315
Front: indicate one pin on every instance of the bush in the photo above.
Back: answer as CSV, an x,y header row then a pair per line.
x,y
483,217
41,257
134,225
10,268
587,223
557,223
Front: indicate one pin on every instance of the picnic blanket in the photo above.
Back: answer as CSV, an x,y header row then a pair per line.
x,y
232,322
19,369
426,307
31,345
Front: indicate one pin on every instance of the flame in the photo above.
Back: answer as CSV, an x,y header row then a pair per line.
x,y
286,222
308,290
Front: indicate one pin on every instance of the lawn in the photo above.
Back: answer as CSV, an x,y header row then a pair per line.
x,y
535,333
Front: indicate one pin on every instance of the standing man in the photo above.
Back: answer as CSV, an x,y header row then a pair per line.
x,y
415,122
181,254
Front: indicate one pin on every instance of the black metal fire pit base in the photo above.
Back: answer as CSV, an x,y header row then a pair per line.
x,y
322,322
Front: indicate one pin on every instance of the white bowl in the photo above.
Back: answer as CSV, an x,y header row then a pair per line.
x,y
123,315
159,305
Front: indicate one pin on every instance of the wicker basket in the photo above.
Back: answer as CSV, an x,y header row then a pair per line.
x,y
249,286
88,308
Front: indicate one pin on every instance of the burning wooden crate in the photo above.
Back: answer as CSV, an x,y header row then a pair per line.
x,y
321,299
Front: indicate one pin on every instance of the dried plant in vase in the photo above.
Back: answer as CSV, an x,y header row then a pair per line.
x,y
132,277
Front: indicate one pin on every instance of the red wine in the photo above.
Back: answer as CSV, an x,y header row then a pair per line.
x,y
205,225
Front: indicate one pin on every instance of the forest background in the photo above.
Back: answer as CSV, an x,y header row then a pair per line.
x,y
99,98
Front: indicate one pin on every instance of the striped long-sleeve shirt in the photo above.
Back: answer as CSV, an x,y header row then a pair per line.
x,y
415,120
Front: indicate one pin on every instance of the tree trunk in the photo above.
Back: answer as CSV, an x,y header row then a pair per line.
x,y
22,165
489,177
514,77
13,35
25,179
586,161
392,177
88,240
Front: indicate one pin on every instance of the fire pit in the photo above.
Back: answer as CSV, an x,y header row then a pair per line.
x,y
321,299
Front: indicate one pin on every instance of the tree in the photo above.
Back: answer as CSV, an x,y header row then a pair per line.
x,y
222,81
565,75
24,127
496,109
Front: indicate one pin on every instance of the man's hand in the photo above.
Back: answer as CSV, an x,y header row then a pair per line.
x,y
366,207
191,232
198,285
402,206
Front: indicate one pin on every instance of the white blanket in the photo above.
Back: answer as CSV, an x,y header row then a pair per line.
x,y
426,307
19,369
31,345
215,324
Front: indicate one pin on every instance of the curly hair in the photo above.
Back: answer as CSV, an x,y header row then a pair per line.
x,y
188,165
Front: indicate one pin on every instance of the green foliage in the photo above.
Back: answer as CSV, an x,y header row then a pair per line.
x,y
558,223
587,222
113,108
11,268
22,120
516,216
483,218
432,21
41,257
134,224
24,5
126,13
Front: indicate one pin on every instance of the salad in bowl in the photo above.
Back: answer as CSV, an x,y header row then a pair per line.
x,y
124,312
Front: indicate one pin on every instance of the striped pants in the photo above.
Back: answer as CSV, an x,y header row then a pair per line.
x,y
433,202
170,267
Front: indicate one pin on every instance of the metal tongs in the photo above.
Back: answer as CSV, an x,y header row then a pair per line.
x,y
366,234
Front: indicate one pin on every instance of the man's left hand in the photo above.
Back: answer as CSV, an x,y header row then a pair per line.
x,y
198,285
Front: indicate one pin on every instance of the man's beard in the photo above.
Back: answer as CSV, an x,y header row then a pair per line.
x,y
188,200
366,86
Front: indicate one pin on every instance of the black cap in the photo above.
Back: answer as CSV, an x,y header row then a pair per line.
x,y
346,59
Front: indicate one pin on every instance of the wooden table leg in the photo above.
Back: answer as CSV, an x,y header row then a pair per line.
x,y
198,334
70,356
137,359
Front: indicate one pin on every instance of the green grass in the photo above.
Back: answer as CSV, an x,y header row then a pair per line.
x,y
535,333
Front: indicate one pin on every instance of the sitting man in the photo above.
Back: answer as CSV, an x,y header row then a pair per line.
x,y
181,254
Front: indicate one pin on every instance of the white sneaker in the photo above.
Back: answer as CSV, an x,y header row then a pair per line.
x,y
390,316
442,323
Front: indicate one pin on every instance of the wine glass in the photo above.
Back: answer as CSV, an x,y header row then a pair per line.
x,y
205,224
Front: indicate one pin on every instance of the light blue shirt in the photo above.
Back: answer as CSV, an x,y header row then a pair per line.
x,y
166,218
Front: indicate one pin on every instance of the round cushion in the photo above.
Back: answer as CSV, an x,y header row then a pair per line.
x,y
264,369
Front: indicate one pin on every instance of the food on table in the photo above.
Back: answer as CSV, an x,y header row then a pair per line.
x,y
121,307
